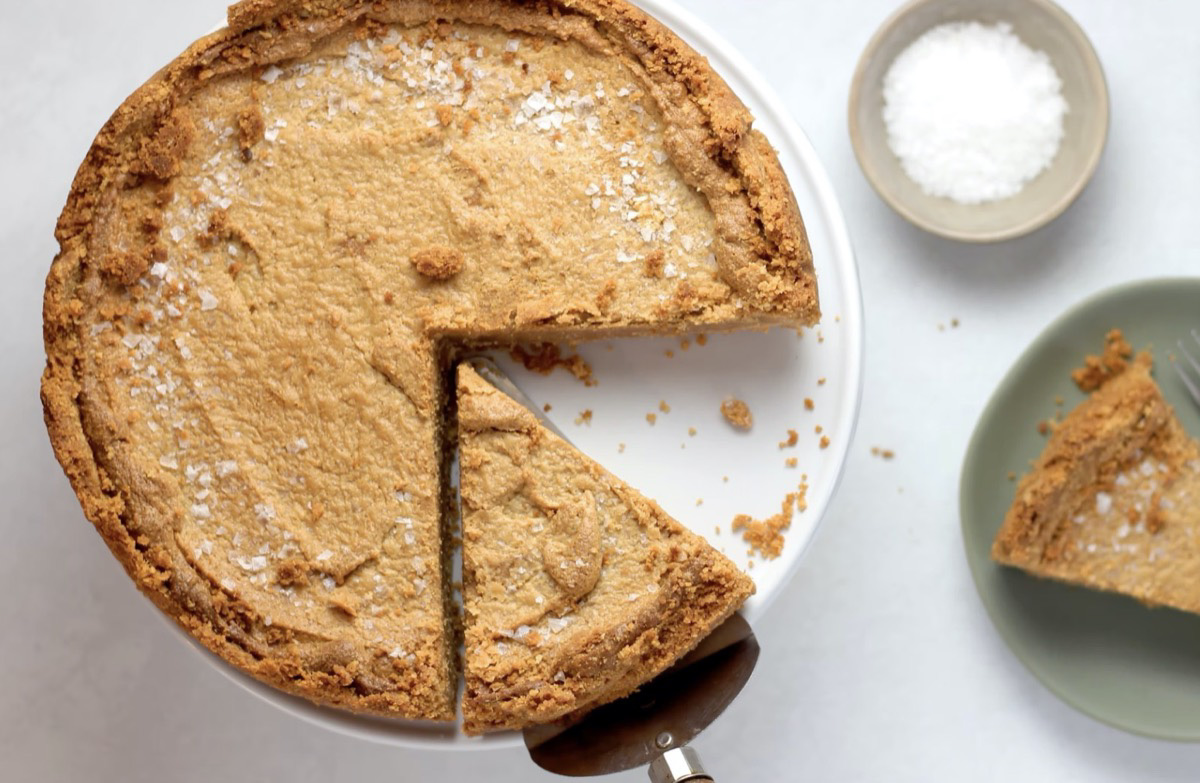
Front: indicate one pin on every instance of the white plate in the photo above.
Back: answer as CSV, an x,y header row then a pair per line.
x,y
772,372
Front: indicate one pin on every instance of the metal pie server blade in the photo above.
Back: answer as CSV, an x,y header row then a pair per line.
x,y
665,713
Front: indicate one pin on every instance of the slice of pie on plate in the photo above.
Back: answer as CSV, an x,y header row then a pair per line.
x,y
1113,502
576,588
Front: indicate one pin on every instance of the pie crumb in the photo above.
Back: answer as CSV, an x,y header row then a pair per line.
x,y
650,417
585,417
824,442
737,413
1098,369
662,406
791,462
809,404
765,536
438,262
543,358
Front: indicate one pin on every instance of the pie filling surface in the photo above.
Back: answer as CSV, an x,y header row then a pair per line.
x,y
273,248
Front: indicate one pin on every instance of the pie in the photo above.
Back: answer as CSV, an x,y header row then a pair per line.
x,y
1113,502
275,249
576,588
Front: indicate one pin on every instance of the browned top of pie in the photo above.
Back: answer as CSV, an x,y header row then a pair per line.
x,y
271,243
1113,502
576,588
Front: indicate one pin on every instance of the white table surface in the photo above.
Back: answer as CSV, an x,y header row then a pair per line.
x,y
878,661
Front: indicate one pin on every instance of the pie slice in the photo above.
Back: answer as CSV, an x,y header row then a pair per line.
x,y
576,588
1113,503
273,247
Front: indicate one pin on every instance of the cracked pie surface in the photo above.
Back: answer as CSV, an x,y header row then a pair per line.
x,y
273,248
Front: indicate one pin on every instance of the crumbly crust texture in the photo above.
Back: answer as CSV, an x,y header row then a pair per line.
x,y
271,243
576,588
1113,502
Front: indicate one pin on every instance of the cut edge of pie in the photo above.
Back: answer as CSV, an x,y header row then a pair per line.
x,y
111,237
1113,502
576,588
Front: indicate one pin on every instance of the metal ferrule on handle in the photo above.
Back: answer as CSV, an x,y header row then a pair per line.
x,y
678,765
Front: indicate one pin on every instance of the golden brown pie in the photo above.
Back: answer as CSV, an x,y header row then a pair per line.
x,y
275,246
1113,502
576,588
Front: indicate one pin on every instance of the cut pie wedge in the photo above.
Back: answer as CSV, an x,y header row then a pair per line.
x,y
576,588
1113,503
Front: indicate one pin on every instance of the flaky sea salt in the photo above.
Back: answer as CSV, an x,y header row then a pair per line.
x,y
973,113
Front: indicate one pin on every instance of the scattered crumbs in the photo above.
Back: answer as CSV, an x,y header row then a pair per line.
x,y
876,451
941,327
792,438
702,339
662,406
699,501
717,529
953,323
684,344
584,417
1098,369
725,479
1012,476
692,431
650,417
546,408
750,564
824,442
818,429
669,353
791,462
765,536
809,404
737,413
620,448
1043,427
837,319
821,381
545,357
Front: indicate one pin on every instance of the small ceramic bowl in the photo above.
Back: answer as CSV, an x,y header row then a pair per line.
x,y
1041,25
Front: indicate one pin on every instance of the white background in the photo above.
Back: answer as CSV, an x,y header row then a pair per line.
x,y
878,661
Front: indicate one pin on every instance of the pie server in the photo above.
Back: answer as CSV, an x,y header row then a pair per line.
x,y
654,724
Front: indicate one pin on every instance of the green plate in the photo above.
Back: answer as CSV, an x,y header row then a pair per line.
x,y
1108,656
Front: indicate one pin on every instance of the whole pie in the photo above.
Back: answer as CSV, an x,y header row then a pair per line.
x,y
1113,502
576,588
276,248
